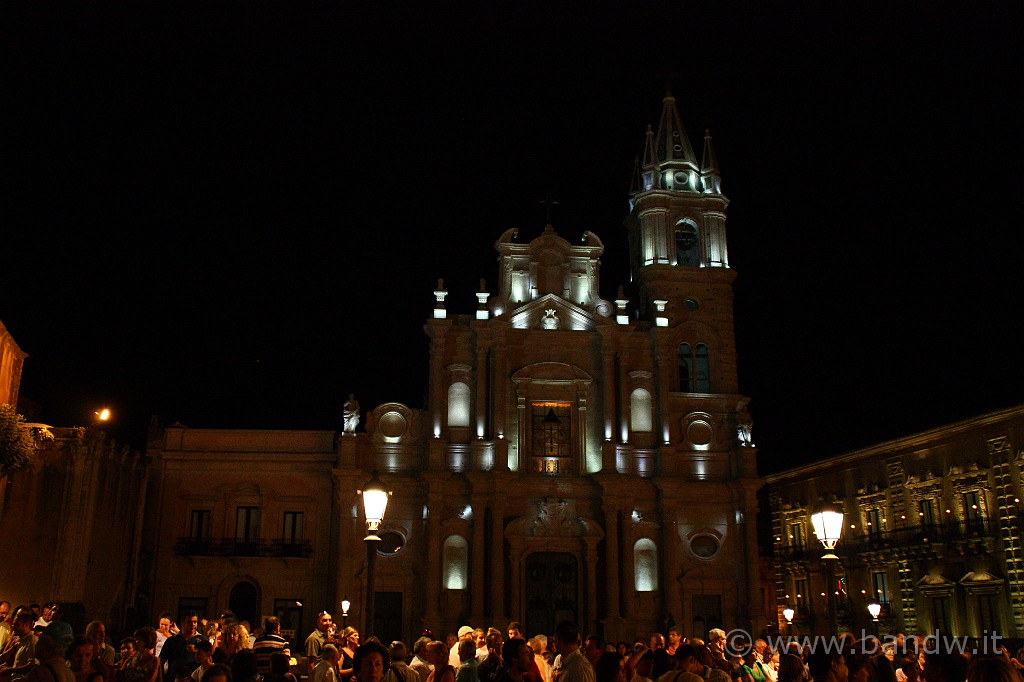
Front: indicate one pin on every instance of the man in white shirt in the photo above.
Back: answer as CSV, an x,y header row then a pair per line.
x,y
573,666
465,632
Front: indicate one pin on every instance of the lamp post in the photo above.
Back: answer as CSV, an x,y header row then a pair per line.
x,y
375,501
874,608
345,605
788,614
828,526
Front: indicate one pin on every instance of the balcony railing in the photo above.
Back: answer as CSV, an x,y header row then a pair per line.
x,y
227,547
911,536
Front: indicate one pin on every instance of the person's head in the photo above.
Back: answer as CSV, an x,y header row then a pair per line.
x,y
127,648
494,643
991,669
204,653
47,613
397,651
163,623
437,652
791,668
467,649
911,666
687,658
330,653
97,634
243,666
23,623
350,638
145,639
465,631
543,640
450,639
593,647
271,625
567,637
48,649
218,672
944,665
657,641
716,640
609,668
760,645
323,621
517,655
189,624
827,666
645,664
280,663
371,662
235,638
480,638
515,630
420,647
5,610
674,636
79,653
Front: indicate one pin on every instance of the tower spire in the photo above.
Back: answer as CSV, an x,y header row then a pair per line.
x,y
672,144
709,171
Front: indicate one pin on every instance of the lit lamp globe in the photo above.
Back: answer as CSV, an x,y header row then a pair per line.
x,y
345,605
828,526
874,609
788,614
375,501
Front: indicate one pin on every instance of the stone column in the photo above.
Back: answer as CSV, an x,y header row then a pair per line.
x,y
590,618
611,543
435,552
497,555
478,555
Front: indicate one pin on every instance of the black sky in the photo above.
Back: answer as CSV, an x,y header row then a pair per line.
x,y
233,215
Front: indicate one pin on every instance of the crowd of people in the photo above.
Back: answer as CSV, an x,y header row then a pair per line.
x,y
36,645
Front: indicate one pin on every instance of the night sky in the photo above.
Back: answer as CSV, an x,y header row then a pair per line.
x,y
234,215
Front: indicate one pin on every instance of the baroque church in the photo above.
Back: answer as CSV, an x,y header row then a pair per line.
x,y
577,457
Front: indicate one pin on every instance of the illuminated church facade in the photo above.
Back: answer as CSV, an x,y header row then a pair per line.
x,y
577,457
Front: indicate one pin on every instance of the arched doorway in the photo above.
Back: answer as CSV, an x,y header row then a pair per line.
x,y
243,602
552,590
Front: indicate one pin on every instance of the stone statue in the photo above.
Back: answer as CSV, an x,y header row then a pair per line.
x,y
350,412
744,427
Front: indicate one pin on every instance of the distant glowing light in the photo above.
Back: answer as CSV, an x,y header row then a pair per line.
x,y
103,414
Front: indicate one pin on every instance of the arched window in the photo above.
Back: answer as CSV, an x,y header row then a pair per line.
x,y
702,377
685,368
458,404
455,574
687,245
645,565
640,411
694,369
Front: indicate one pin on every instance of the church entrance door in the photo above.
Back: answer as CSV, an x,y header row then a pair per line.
x,y
552,591
242,602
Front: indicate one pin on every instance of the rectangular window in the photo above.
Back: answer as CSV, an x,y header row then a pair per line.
x,y
926,512
247,525
292,534
551,438
290,613
880,579
199,525
874,522
802,598
972,509
940,614
796,535
987,620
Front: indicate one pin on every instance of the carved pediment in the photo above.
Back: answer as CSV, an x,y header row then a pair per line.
x,y
552,373
551,312
554,518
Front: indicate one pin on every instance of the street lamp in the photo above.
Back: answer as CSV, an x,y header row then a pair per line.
x,y
345,604
375,501
828,526
788,614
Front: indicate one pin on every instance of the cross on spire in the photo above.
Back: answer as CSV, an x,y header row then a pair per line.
x,y
548,203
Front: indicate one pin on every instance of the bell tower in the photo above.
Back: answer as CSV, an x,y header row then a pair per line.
x,y
679,259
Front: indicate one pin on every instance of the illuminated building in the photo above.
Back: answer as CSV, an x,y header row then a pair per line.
x,y
933,531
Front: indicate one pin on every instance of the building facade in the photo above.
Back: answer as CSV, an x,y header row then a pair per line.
x,y
933,531
577,457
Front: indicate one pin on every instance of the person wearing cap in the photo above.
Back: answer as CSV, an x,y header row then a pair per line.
x,y
465,632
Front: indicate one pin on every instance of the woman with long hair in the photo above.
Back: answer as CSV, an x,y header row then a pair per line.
x,y
143,666
349,643
437,656
79,657
234,639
